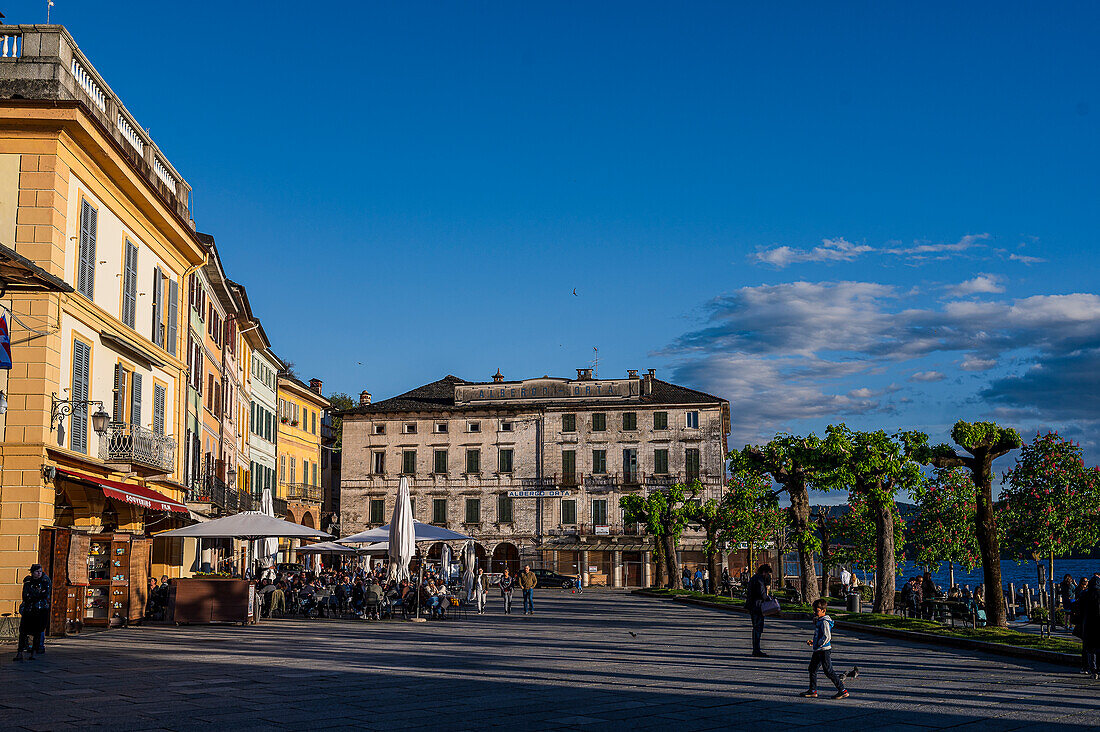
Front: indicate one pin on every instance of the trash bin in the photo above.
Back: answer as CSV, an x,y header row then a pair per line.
x,y
854,602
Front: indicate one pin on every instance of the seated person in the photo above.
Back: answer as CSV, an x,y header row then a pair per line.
x,y
374,599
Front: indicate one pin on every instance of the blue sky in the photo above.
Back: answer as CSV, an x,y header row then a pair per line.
x,y
879,213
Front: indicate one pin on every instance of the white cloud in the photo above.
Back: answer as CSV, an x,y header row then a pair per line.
x,y
927,376
831,250
925,251
973,363
982,284
1025,259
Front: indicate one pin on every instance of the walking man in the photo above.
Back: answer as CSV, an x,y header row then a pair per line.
x,y
480,590
822,645
527,582
506,586
757,594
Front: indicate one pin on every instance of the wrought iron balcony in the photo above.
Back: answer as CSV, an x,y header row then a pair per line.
x,y
303,492
146,451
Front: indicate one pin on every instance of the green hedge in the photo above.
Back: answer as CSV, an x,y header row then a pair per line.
x,y
989,635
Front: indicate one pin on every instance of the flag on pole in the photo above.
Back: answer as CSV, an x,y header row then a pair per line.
x,y
5,344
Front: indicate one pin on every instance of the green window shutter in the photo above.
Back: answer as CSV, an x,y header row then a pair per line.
x,y
630,420
439,511
159,395
504,461
158,304
599,512
119,409
173,315
135,400
599,422
504,508
599,461
473,510
660,462
569,423
440,462
660,420
129,285
82,355
85,268
569,511
473,461
691,462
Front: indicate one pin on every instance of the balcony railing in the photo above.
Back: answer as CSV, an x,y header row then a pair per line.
x,y
135,445
303,492
213,490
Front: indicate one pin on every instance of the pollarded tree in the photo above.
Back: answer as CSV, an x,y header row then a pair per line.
x,y
983,442
663,514
1050,501
793,462
859,541
943,529
875,466
712,516
755,517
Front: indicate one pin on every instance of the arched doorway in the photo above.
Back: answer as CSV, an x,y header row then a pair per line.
x,y
307,520
506,556
482,556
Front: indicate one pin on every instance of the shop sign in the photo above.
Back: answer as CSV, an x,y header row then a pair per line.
x,y
539,494
603,530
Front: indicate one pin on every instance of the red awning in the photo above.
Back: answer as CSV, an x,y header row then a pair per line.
x,y
130,493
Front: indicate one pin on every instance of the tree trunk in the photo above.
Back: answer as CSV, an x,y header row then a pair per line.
x,y
659,564
989,543
712,562
885,559
671,564
800,522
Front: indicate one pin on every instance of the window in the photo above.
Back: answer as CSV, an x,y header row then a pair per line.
x,y
660,420
505,426
473,461
122,389
441,428
473,510
599,422
135,399
599,462
408,462
504,464
378,466
305,471
282,468
568,511
504,508
409,428
378,429
599,512
78,424
630,421
439,510
160,395
691,462
313,423
660,461
693,420
157,334
85,263
569,465
630,465
440,467
377,511
173,316
316,482
129,284
569,423
473,426
293,465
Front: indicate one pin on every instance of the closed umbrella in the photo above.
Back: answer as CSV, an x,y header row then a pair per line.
x,y
401,535
445,559
469,562
269,547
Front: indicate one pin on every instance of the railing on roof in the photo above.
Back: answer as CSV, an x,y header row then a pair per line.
x,y
10,44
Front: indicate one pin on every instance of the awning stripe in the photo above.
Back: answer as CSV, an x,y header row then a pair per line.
x,y
130,493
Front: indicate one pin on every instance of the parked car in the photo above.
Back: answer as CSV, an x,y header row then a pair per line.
x,y
553,579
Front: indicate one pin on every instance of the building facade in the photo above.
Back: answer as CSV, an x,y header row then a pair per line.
x,y
534,469
300,412
96,396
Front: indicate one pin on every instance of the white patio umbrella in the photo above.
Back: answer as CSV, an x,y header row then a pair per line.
x,y
400,534
248,526
421,532
326,547
269,547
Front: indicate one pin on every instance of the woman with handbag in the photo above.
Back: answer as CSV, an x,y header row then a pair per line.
x,y
754,603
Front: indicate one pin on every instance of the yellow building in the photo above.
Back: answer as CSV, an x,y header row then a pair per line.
x,y
98,383
300,411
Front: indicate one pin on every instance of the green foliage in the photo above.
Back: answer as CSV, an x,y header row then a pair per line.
x,y
943,529
664,513
987,634
1050,500
752,510
972,436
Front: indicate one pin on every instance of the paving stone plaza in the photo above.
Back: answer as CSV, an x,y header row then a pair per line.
x,y
573,665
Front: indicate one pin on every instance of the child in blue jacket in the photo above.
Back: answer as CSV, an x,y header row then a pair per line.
x,y
822,644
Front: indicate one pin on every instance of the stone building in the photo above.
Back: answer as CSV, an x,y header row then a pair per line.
x,y
534,469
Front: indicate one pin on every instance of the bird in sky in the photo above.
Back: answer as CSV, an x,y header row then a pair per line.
x,y
632,634
575,292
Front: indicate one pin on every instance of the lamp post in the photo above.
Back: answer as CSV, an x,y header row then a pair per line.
x,y
61,408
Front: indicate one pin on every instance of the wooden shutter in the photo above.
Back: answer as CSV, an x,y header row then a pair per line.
x,y
129,285
85,269
135,400
82,355
173,315
120,394
158,307
158,408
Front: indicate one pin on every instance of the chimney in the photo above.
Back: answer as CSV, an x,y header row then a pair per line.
x,y
584,374
632,373
647,382
316,385
364,398
498,377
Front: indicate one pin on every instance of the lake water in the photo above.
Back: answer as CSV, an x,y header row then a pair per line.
x,y
1021,574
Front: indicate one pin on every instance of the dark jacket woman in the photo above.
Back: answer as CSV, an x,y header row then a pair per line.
x,y
34,611
1090,616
